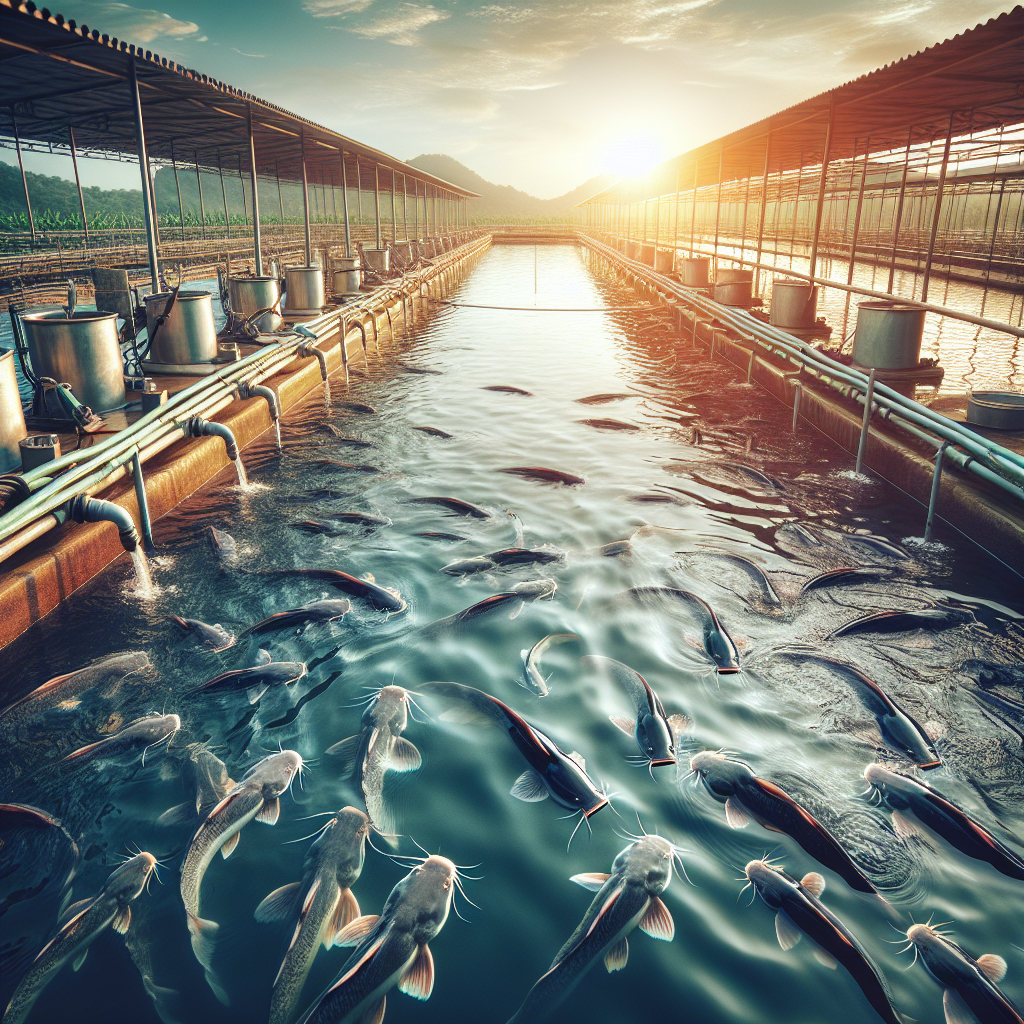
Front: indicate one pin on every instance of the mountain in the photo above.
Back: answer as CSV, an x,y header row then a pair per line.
x,y
502,201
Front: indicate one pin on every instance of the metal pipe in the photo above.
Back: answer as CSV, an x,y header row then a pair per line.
x,y
866,422
256,243
241,188
761,212
309,348
147,199
177,186
820,207
305,198
344,205
78,182
798,390
936,213
83,509
280,197
140,496
933,499
196,426
376,203
899,212
224,196
394,209
249,390
24,178
202,204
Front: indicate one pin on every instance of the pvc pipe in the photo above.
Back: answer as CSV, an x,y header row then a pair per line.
x,y
140,496
196,426
866,423
83,509
247,390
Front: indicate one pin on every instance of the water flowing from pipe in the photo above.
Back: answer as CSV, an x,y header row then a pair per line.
x,y
277,434
144,581
243,480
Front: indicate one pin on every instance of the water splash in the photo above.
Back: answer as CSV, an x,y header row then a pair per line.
x,y
144,581
243,480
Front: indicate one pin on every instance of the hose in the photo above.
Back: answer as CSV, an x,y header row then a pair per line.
x,y
196,426
83,509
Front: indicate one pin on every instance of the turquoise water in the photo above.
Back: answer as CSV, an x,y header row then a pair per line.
x,y
796,725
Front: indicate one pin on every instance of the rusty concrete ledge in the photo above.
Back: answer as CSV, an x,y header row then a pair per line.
x,y
44,573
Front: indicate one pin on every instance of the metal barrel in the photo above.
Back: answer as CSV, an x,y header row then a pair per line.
x,y
663,260
83,351
794,303
12,416
998,410
378,259
304,289
695,272
734,287
250,294
188,335
346,276
888,335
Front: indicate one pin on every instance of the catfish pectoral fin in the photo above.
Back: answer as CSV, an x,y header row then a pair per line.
x,y
228,846
735,814
530,787
623,723
79,960
270,812
347,751
375,1014
404,756
786,931
352,934
616,957
418,980
344,914
956,1010
592,880
657,921
122,920
279,905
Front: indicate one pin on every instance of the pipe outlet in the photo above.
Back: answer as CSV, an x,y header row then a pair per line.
x,y
309,349
196,426
83,509
246,390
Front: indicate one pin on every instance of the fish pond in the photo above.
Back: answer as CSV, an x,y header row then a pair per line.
x,y
688,545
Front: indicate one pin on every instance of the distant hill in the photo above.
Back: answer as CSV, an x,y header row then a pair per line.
x,y
502,201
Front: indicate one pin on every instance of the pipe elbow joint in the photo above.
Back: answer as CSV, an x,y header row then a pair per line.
x,y
83,509
246,390
196,426
308,348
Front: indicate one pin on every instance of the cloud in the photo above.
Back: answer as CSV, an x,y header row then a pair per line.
x,y
401,27
137,24
244,54
334,8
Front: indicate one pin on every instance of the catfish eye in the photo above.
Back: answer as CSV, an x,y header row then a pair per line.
x,y
447,883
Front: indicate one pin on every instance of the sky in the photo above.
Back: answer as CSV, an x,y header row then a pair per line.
x,y
541,94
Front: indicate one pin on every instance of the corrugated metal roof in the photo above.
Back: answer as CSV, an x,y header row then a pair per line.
x,y
57,74
968,83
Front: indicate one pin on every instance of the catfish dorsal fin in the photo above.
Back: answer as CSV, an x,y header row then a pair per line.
x,y
418,980
657,921
592,880
813,883
992,966
353,933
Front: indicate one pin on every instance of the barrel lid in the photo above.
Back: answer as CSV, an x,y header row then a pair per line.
x,y
182,295
59,315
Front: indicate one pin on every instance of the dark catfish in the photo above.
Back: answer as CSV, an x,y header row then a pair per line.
x,y
316,611
456,505
550,476
215,638
366,588
720,647
934,618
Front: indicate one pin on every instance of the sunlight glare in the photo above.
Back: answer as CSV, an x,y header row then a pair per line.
x,y
632,154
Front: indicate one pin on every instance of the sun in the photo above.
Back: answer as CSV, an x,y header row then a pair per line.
x,y
632,154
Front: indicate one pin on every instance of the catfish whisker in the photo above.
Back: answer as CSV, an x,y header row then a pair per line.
x,y
583,818
323,828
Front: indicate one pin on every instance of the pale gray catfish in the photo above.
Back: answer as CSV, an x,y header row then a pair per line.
x,y
376,749
144,732
256,796
534,678
206,774
321,905
391,949
628,898
80,924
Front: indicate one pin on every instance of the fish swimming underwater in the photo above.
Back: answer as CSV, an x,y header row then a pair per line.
x,y
80,924
545,475
205,775
435,432
257,796
746,796
934,618
507,389
143,732
656,733
366,588
905,794
307,615
214,638
718,645
391,949
845,575
255,681
319,907
456,505
502,560
534,678
608,424
378,747
628,898
969,991
799,910
551,771
223,546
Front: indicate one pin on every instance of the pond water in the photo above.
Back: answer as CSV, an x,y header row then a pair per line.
x,y
712,470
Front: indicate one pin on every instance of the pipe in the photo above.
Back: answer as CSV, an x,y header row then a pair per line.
x,y
83,509
143,502
246,389
147,199
309,348
196,426
933,499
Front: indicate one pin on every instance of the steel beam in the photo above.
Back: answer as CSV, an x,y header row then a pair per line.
x,y
820,206
78,183
147,199
936,214
305,199
256,241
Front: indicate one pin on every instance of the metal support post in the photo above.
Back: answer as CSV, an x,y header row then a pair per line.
x,y
899,214
280,197
359,192
344,205
24,178
177,187
933,499
78,182
822,181
798,391
140,496
865,425
224,196
241,188
376,204
693,212
305,199
860,207
256,241
147,201
761,213
405,216
394,208
927,273
202,204
415,208
718,210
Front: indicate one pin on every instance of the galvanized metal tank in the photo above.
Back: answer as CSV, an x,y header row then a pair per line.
x,y
12,416
663,260
734,287
999,410
84,352
188,335
38,450
694,272
646,254
248,295
888,335
347,276
377,259
304,289
794,304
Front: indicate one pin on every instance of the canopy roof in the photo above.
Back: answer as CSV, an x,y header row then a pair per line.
x,y
56,75
972,82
